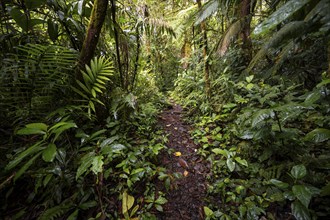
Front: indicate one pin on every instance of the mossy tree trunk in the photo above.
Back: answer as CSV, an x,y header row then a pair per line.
x,y
246,9
205,56
93,32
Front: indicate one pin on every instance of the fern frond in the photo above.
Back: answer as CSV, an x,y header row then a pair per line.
x,y
55,212
32,78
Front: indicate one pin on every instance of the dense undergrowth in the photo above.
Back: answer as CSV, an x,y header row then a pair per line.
x,y
69,163
80,142
267,139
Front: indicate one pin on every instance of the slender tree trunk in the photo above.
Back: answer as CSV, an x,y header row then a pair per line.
x,y
328,58
136,64
246,10
93,32
113,15
205,55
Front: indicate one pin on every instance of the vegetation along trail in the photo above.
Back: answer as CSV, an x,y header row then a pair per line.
x,y
185,197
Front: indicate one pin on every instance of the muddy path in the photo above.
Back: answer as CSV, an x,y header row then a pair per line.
x,y
186,197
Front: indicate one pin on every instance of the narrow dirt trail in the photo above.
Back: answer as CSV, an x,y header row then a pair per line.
x,y
185,199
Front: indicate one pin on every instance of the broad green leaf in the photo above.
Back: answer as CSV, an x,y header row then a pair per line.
x,y
128,202
26,166
280,15
279,183
241,161
28,131
262,115
300,211
318,135
49,153
325,191
298,171
109,141
31,150
208,212
312,97
40,126
86,162
249,78
161,200
19,17
87,205
219,151
303,194
97,164
137,171
231,164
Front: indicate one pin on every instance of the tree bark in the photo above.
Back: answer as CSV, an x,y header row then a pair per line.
x,y
246,10
205,56
93,32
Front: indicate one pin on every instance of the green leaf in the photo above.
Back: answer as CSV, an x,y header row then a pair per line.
x,y
49,153
249,78
318,135
208,212
261,116
86,162
298,171
281,14
19,17
241,161
31,150
128,202
221,151
303,194
26,166
231,164
97,164
300,211
137,171
87,205
73,215
325,191
52,29
161,200
40,126
33,4
30,130
279,183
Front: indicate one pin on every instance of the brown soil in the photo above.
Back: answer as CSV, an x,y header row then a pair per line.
x,y
185,199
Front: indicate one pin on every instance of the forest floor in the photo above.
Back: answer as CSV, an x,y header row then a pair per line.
x,y
186,196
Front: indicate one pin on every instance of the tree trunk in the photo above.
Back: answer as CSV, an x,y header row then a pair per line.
x,y
205,56
93,32
246,10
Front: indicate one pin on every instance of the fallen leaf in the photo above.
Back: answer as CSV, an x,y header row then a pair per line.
x,y
168,125
175,128
183,163
185,173
177,154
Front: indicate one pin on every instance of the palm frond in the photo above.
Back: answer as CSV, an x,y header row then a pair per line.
x,y
94,80
206,11
280,15
287,33
230,34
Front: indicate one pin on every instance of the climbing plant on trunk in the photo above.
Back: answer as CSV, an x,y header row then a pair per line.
x,y
93,32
